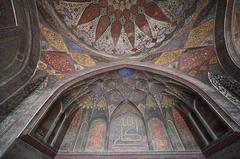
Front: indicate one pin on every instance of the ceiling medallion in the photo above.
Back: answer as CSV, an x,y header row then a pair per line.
x,y
123,27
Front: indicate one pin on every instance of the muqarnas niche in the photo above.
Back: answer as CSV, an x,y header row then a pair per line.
x,y
130,111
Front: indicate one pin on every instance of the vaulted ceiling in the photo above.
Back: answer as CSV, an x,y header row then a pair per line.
x,y
81,34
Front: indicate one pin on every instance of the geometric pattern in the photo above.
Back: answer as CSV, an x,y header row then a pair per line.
x,y
193,54
60,56
189,61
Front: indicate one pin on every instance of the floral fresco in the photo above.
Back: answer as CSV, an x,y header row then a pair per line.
x,y
192,52
123,27
160,31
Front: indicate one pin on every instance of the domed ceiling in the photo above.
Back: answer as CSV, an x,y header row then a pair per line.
x,y
77,34
124,27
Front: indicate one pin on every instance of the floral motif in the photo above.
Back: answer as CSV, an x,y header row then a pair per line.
x,y
190,61
122,27
193,59
167,58
199,34
54,39
58,62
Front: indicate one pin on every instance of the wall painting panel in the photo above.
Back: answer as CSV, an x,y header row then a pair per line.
x,y
96,135
184,132
158,135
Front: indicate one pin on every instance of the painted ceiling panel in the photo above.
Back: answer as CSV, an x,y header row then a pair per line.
x,y
124,28
175,34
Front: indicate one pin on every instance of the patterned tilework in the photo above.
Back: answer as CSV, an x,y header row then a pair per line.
x,y
123,27
176,43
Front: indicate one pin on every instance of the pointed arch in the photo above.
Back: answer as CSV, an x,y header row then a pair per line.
x,y
127,129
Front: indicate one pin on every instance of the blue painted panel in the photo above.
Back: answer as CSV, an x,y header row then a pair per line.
x,y
126,72
71,45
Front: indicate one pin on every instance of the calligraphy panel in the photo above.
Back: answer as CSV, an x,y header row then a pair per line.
x,y
127,133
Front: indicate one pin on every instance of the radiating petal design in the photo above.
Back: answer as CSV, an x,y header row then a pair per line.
x,y
88,13
118,14
152,10
129,29
103,24
143,25
126,13
116,31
